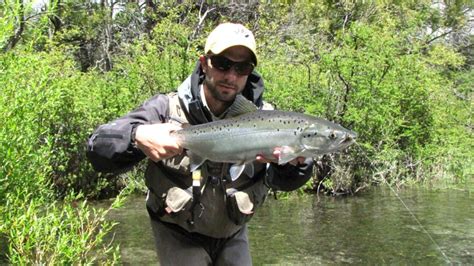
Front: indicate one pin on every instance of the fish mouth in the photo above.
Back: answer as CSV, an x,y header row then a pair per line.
x,y
349,138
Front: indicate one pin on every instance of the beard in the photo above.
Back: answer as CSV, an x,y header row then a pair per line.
x,y
225,96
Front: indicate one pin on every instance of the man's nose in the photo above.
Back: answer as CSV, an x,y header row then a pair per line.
x,y
231,74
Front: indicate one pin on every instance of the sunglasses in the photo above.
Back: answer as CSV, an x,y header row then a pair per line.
x,y
224,64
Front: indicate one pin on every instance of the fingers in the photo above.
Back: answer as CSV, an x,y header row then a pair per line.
x,y
276,155
298,161
156,142
161,154
262,159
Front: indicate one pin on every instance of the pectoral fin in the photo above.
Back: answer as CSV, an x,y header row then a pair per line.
x,y
237,169
249,170
195,161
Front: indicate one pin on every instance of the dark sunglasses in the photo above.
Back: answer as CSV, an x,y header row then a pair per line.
x,y
223,63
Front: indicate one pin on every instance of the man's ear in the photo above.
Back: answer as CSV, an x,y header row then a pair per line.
x,y
203,59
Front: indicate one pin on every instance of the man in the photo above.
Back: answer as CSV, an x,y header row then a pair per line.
x,y
201,222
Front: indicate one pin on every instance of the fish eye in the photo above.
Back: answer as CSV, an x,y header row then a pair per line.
x,y
332,135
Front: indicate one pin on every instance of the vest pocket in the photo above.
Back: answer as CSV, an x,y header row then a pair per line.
x,y
155,204
177,199
172,203
239,206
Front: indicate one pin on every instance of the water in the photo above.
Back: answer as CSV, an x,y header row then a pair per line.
x,y
371,228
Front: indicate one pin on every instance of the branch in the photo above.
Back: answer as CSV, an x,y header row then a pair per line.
x,y
348,89
439,36
15,38
346,18
385,71
149,20
201,20
460,95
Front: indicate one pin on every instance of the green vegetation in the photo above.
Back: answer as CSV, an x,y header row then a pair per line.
x,y
400,74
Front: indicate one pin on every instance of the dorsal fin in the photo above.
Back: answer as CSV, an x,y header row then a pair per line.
x,y
240,106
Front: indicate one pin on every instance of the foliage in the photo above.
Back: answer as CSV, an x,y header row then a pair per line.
x,y
48,118
41,141
398,73
373,73
57,232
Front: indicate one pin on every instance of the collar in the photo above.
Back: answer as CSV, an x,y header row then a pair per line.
x,y
204,102
191,99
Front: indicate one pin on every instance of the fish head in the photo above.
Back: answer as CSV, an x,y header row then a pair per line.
x,y
322,138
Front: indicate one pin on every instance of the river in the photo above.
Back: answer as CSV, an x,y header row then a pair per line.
x,y
414,226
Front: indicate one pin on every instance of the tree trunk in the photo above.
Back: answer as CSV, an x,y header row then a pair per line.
x,y
150,10
55,16
15,38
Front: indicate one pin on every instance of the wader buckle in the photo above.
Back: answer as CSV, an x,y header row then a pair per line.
x,y
196,196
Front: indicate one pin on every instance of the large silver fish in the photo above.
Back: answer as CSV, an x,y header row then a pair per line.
x,y
240,139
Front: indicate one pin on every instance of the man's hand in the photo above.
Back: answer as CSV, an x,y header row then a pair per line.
x,y
155,141
276,156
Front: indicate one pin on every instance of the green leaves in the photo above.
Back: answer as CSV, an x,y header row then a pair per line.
x,y
398,73
68,232
48,109
375,73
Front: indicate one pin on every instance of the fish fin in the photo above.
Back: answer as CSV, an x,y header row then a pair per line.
x,y
241,106
287,154
177,119
236,170
249,170
185,125
195,161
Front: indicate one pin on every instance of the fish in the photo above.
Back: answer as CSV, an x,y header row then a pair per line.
x,y
238,140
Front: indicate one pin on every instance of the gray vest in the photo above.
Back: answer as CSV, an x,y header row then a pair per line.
x,y
224,205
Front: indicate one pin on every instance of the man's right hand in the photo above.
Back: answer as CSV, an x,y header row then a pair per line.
x,y
156,142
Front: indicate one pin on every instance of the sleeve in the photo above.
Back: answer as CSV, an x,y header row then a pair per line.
x,y
289,177
110,149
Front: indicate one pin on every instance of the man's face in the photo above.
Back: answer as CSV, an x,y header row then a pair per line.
x,y
223,86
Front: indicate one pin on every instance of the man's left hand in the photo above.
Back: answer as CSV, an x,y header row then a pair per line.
x,y
276,156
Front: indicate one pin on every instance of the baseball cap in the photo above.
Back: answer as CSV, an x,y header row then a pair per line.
x,y
226,35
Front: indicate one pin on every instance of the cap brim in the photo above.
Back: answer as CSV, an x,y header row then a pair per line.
x,y
221,48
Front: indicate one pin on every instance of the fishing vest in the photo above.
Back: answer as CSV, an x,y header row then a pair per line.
x,y
220,208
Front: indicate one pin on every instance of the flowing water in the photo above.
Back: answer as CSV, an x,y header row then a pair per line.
x,y
373,227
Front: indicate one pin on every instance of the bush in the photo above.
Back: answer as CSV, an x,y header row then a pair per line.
x,y
49,109
41,154
378,78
